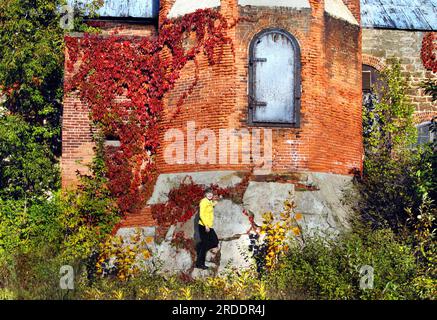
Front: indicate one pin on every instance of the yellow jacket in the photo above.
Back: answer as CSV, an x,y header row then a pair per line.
x,y
206,212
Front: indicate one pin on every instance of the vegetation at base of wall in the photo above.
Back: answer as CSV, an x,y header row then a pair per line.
x,y
234,284
330,269
67,228
319,270
272,240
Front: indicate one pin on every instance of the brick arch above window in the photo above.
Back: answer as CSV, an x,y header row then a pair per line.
x,y
425,133
299,36
424,116
375,62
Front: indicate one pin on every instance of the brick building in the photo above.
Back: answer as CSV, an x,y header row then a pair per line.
x,y
293,81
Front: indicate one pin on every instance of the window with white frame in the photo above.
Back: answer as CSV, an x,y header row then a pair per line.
x,y
424,133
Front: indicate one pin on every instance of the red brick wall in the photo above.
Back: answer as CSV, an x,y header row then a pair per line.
x,y
143,218
329,139
126,28
343,109
77,142
164,9
354,7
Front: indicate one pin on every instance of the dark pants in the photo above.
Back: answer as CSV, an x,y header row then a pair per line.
x,y
208,240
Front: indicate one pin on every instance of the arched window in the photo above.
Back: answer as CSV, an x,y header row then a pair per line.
x,y
425,134
274,79
370,80
370,77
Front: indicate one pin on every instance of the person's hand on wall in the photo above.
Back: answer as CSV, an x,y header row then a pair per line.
x,y
216,199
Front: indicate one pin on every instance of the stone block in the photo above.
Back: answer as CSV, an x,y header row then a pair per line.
x,y
261,197
234,253
229,220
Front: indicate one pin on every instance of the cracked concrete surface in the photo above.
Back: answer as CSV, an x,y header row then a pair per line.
x,y
322,209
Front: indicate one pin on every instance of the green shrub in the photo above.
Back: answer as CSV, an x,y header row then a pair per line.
x,y
330,269
36,241
6,294
390,180
26,228
425,287
37,237
398,187
32,63
89,212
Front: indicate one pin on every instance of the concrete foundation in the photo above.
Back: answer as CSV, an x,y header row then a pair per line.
x,y
322,207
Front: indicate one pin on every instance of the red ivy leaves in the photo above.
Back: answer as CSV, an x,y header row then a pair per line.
x,y
123,81
428,52
179,241
183,201
181,205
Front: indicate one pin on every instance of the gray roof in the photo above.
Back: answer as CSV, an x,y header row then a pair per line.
x,y
124,8
385,14
399,14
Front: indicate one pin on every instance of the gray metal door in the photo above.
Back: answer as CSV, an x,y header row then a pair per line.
x,y
273,63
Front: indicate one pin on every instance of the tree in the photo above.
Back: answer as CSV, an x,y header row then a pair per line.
x,y
31,65
394,176
26,166
32,62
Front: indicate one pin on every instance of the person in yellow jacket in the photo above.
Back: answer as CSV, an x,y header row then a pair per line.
x,y
208,237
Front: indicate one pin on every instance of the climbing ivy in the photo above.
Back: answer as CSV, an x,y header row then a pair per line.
x,y
428,52
141,70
